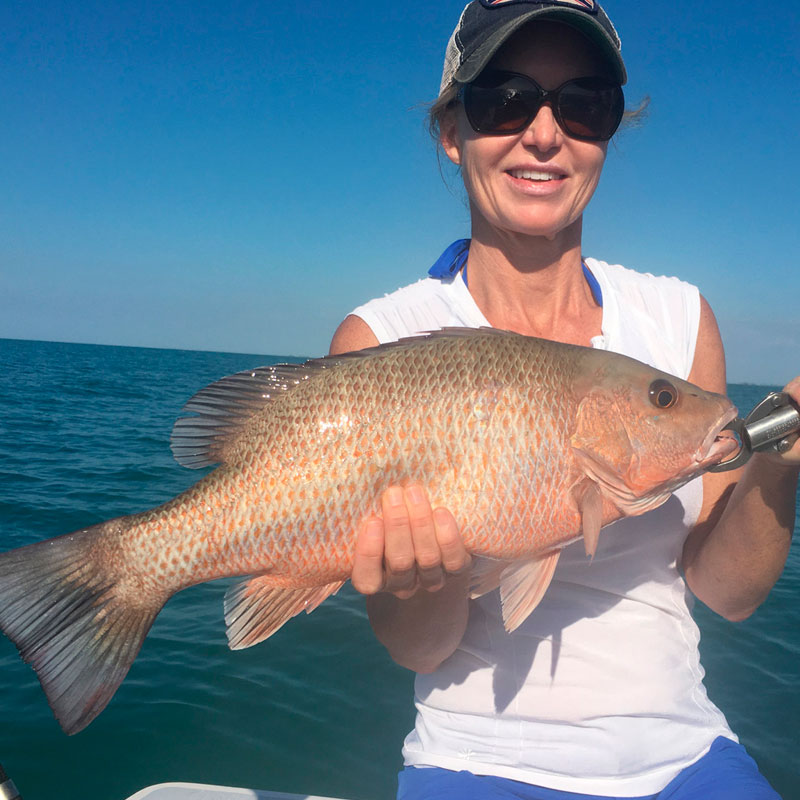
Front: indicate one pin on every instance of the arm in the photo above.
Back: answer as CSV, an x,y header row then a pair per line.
x,y
736,551
411,547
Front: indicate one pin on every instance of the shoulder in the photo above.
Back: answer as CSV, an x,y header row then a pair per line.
x,y
352,334
653,291
656,318
380,320
708,370
410,294
427,304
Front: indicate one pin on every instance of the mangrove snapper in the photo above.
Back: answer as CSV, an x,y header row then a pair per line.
x,y
530,443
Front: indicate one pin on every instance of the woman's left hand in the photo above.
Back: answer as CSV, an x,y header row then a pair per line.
x,y
737,549
792,455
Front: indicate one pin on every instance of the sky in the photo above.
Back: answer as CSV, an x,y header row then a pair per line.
x,y
239,175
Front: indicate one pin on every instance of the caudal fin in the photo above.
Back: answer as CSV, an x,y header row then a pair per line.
x,y
65,614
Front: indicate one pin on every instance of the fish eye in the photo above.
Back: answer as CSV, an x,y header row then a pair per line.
x,y
663,394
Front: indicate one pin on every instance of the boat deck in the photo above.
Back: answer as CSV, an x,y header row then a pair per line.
x,y
199,791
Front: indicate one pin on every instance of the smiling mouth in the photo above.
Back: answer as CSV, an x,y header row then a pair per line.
x,y
534,175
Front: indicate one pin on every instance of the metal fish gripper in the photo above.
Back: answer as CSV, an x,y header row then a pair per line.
x,y
768,426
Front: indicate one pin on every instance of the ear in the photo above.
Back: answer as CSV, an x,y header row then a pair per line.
x,y
448,138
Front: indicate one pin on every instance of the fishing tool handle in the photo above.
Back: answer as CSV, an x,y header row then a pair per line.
x,y
768,426
7,789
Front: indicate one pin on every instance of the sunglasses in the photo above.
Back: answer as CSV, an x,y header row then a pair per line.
x,y
499,103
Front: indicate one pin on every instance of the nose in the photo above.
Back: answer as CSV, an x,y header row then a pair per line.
x,y
543,132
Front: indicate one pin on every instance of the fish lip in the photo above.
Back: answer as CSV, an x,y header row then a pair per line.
x,y
715,449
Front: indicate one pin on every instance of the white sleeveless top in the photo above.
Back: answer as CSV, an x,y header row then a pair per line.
x,y
600,690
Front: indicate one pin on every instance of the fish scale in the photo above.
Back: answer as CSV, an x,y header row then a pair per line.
x,y
389,440
529,443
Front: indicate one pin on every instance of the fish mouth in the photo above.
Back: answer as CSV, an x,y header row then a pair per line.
x,y
720,444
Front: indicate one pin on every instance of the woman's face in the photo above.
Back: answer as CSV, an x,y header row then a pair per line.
x,y
536,182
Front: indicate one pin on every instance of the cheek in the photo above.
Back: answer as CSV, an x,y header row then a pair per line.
x,y
478,161
474,152
592,160
588,164
470,173
599,432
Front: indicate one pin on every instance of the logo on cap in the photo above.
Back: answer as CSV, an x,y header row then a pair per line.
x,y
585,5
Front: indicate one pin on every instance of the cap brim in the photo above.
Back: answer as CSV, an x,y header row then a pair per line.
x,y
474,64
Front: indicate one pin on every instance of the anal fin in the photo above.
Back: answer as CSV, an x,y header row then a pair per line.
x,y
257,607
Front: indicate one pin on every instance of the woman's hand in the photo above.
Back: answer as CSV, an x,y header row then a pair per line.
x,y
792,456
412,547
737,549
409,547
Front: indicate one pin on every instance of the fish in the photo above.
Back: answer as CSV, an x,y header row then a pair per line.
x,y
532,444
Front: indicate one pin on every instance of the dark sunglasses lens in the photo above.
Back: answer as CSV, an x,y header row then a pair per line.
x,y
590,108
504,103
505,107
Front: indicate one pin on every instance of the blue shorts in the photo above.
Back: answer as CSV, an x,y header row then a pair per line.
x,y
726,772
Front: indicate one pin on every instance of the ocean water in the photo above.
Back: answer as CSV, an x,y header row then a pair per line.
x,y
319,708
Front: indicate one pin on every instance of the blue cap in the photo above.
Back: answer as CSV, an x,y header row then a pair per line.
x,y
486,24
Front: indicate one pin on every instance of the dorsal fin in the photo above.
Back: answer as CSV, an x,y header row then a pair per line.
x,y
215,414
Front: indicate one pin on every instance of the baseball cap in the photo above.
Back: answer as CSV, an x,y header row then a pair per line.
x,y
486,24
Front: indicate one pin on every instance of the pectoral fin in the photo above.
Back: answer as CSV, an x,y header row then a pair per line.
x,y
255,608
590,505
485,575
522,586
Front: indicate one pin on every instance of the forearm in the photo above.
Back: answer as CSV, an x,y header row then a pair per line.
x,y
423,630
733,560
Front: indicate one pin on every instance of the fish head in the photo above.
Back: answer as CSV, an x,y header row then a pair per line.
x,y
641,433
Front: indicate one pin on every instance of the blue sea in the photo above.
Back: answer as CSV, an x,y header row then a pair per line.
x,y
319,708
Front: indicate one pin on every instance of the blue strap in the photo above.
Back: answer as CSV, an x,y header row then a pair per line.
x,y
451,261
454,260
594,286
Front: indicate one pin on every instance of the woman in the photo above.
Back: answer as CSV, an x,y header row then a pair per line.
x,y
599,692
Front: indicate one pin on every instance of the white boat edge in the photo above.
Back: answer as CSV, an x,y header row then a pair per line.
x,y
202,791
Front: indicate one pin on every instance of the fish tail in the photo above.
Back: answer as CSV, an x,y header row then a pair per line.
x,y
70,622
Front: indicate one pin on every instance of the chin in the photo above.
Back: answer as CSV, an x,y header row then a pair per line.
x,y
540,231
544,226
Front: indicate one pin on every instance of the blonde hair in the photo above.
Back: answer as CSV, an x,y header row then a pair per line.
x,y
440,109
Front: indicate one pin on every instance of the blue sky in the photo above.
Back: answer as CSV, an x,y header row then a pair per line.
x,y
237,176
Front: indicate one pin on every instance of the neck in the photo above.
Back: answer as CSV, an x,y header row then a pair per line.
x,y
533,284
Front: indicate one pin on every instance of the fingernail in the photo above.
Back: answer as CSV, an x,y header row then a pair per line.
x,y
441,516
415,495
395,495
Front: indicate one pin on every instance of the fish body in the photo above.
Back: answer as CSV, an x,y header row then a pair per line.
x,y
530,443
